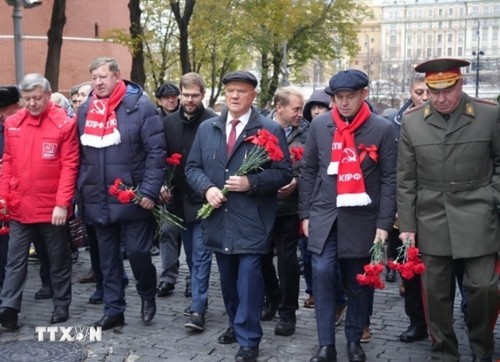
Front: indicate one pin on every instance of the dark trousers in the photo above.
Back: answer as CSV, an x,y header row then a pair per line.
x,y
325,282
242,288
55,238
201,266
306,259
414,307
4,247
95,261
170,249
481,282
285,238
43,258
138,237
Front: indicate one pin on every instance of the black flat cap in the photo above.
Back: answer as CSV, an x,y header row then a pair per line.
x,y
8,95
240,76
167,89
347,80
441,65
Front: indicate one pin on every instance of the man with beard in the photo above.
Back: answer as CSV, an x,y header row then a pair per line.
x,y
180,129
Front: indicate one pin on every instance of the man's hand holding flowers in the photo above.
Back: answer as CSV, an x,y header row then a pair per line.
x,y
381,235
410,236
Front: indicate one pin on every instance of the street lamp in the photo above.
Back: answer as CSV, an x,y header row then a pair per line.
x,y
18,32
477,53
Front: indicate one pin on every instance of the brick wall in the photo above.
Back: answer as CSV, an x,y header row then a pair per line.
x,y
80,45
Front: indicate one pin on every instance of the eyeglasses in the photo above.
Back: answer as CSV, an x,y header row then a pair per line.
x,y
192,96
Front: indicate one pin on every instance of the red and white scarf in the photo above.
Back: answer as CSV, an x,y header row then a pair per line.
x,y
345,160
101,125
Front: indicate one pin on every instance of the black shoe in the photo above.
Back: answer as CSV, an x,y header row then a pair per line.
x,y
148,311
187,291
88,278
60,314
165,289
45,292
108,322
325,354
247,354
355,352
286,326
228,337
390,276
413,334
97,297
8,318
269,311
196,322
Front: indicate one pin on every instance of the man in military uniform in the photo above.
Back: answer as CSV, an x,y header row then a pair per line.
x,y
448,192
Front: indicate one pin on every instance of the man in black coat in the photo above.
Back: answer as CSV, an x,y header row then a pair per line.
x,y
346,202
180,130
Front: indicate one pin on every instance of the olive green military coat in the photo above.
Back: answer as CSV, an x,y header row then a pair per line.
x,y
448,179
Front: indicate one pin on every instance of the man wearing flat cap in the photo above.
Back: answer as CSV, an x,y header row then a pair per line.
x,y
448,192
238,230
347,202
167,96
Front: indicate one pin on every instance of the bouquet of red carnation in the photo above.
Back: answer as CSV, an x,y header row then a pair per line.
x,y
296,153
172,162
266,148
411,263
4,218
372,271
126,194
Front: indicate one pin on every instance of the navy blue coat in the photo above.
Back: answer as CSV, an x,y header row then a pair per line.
x,y
243,224
139,160
318,190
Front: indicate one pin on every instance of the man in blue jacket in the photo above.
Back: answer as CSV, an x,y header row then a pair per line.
x,y
121,136
239,228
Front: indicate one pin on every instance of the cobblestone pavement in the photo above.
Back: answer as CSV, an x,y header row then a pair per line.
x,y
168,339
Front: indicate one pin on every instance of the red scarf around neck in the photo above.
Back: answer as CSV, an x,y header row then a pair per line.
x,y
101,125
345,160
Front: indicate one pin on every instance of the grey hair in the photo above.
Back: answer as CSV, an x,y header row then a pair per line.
x,y
283,95
33,80
99,62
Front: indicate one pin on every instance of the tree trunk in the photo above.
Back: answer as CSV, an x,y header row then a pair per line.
x,y
55,39
264,81
183,24
137,73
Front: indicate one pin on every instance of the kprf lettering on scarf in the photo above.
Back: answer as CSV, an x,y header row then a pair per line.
x,y
349,176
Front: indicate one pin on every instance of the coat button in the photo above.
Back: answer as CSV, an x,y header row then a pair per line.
x,y
226,249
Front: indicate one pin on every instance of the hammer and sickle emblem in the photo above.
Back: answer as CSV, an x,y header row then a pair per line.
x,y
349,155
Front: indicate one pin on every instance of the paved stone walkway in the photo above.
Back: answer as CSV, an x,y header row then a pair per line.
x,y
168,339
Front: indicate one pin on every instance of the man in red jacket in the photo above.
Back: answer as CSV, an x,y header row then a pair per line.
x,y
37,185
